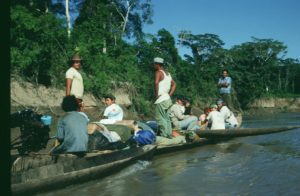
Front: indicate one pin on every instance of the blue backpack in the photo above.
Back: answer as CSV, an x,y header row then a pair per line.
x,y
144,137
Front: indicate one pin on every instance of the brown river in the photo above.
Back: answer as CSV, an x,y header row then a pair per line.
x,y
255,165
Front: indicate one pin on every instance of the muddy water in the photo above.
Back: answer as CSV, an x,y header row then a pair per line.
x,y
256,165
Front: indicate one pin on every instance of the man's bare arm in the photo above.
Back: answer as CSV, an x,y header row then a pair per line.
x,y
173,87
158,78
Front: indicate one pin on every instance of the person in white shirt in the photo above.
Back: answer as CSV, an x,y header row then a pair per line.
x,y
164,89
228,116
215,118
113,112
74,81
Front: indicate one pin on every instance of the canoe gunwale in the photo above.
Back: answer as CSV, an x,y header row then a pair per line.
x,y
242,132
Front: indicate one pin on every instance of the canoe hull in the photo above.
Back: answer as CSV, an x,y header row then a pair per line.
x,y
164,149
241,132
41,179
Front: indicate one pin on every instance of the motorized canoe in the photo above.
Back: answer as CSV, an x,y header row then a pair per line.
x,y
40,172
241,132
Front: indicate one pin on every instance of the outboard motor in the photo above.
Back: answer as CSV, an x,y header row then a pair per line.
x,y
34,130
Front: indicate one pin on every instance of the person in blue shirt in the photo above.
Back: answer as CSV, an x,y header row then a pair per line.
x,y
72,133
225,88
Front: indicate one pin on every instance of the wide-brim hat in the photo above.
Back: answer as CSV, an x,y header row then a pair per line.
x,y
76,57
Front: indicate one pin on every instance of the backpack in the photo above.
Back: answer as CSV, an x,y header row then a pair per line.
x,y
144,137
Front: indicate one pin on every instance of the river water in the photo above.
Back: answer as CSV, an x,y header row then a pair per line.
x,y
254,165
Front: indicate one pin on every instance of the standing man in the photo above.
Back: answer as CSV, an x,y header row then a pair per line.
x,y
164,89
229,118
224,84
74,82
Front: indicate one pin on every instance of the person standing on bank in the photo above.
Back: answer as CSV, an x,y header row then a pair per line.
x,y
164,89
74,81
225,86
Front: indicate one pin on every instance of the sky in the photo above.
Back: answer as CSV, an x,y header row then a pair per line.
x,y
234,21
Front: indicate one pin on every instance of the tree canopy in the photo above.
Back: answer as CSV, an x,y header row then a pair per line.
x,y
116,53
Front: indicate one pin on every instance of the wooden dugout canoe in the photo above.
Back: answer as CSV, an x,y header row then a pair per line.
x,y
40,173
241,132
164,149
215,136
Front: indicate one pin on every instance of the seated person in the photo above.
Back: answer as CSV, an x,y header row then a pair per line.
x,y
179,120
215,118
202,123
228,116
187,107
113,112
100,138
72,133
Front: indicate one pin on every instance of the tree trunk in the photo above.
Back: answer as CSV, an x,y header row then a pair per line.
x,y
68,19
279,79
126,17
286,79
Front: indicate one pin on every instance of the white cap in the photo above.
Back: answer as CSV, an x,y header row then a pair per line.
x,y
158,60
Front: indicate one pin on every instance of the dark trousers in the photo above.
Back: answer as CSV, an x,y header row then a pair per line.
x,y
231,103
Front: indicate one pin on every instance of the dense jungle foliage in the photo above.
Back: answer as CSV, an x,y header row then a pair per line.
x,y
108,34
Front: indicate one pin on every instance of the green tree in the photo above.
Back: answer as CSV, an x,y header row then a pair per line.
x,y
255,65
37,43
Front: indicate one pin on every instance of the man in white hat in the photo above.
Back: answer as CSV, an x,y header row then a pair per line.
x,y
164,89
74,82
229,118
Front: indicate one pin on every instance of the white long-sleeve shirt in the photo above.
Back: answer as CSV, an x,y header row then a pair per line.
x,y
228,115
216,119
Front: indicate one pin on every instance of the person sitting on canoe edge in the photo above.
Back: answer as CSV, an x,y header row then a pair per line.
x,y
187,106
228,116
180,121
215,118
72,133
202,123
113,112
